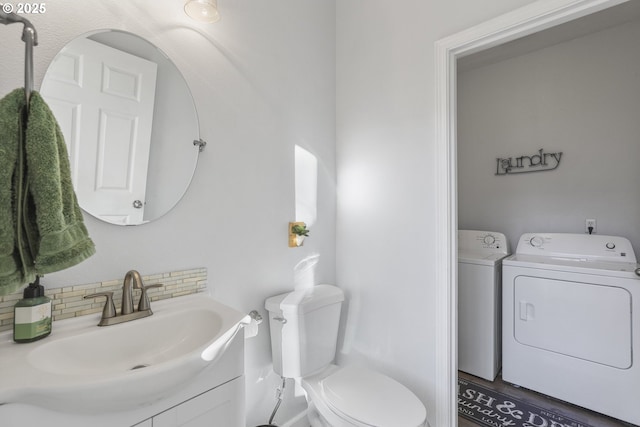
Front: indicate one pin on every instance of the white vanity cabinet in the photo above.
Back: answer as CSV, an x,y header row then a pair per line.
x,y
220,406
214,398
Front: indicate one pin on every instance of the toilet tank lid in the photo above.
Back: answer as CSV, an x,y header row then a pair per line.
x,y
305,300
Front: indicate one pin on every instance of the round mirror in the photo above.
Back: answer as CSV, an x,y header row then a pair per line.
x,y
130,124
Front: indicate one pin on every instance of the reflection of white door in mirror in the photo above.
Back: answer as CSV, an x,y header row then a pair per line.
x,y
95,90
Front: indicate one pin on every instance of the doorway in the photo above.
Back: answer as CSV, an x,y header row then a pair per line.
x,y
522,22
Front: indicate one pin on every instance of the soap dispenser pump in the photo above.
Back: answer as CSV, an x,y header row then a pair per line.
x,y
32,314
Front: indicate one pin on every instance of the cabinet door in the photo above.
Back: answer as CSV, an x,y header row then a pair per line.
x,y
222,406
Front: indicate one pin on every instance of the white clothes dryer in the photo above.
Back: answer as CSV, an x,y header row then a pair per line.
x,y
571,321
480,255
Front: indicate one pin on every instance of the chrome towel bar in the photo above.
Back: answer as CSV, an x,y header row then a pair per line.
x,y
30,38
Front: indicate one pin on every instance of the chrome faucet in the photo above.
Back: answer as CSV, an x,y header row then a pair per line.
x,y
132,280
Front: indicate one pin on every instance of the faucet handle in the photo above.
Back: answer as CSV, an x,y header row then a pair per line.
x,y
144,303
109,309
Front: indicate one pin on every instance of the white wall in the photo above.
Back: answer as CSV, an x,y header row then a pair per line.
x,y
385,151
579,97
263,80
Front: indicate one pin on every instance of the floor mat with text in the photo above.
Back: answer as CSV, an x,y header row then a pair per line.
x,y
494,409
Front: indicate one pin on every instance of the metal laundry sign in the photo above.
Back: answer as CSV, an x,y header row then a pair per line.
x,y
540,162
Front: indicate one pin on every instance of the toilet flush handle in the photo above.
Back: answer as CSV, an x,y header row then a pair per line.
x,y
638,271
280,319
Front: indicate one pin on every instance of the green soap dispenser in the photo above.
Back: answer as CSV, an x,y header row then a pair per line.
x,y
32,314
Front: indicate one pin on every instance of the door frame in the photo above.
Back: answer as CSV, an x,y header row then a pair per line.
x,y
530,19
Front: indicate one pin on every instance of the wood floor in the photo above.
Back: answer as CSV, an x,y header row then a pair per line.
x,y
580,414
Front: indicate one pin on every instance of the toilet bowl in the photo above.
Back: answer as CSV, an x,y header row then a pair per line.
x,y
304,331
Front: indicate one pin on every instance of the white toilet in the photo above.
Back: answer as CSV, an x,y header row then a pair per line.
x,y
304,332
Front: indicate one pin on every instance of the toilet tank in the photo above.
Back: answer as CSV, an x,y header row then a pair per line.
x,y
304,329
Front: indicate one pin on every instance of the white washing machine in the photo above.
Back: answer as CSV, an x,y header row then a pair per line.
x,y
480,255
571,321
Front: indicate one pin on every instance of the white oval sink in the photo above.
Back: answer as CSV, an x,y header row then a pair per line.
x,y
119,348
118,367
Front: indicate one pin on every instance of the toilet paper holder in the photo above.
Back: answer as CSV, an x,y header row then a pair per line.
x,y
255,316
251,325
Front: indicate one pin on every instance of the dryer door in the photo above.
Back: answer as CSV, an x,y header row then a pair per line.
x,y
583,320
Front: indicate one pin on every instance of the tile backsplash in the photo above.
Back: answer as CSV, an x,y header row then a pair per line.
x,y
69,301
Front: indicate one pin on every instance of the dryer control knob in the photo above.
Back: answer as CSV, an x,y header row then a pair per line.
x,y
489,239
536,241
610,245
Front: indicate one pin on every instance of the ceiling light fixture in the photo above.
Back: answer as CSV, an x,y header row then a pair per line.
x,y
202,10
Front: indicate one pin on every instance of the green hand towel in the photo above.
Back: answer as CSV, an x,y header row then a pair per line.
x,y
48,230
11,274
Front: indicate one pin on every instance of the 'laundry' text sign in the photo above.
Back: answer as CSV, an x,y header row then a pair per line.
x,y
539,162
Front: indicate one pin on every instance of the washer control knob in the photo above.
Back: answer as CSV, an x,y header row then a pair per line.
x,y
536,241
610,245
489,239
